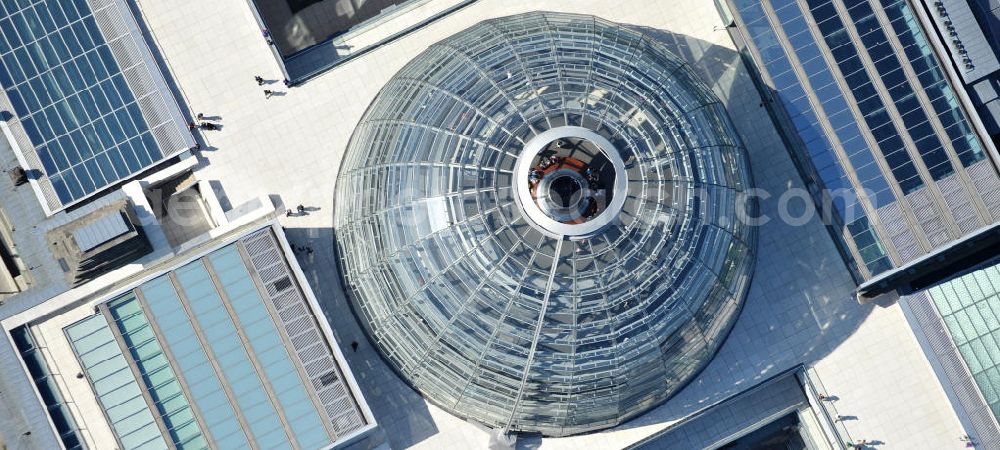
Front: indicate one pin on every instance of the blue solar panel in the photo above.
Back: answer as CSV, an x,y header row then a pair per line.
x,y
72,100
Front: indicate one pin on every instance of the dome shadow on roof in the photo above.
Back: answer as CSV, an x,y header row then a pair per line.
x,y
551,166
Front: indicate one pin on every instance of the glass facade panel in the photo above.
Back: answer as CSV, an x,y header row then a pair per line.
x,y
819,145
933,82
845,53
970,307
903,105
114,384
265,342
901,92
215,364
38,370
158,376
230,354
490,315
192,361
823,82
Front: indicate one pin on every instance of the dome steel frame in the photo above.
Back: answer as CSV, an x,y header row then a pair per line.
x,y
507,323
538,217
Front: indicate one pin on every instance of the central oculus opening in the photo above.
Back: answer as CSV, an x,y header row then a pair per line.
x,y
570,181
568,188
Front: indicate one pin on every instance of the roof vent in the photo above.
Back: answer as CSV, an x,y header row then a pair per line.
x,y
18,176
282,284
328,378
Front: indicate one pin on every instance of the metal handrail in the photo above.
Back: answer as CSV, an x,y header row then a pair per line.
x,y
827,409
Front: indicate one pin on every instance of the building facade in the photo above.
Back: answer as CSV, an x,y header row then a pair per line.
x,y
894,157
891,101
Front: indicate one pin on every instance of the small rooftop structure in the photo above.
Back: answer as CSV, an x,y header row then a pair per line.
x,y
296,25
12,279
101,230
308,37
98,242
180,206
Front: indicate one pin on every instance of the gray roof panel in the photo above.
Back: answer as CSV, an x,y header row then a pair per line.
x,y
964,38
100,231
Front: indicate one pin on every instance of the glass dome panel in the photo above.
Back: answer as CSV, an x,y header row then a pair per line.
x,y
492,312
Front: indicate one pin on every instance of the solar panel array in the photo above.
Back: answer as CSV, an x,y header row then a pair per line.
x,y
83,101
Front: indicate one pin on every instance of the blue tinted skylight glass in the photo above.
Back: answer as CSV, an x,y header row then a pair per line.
x,y
114,384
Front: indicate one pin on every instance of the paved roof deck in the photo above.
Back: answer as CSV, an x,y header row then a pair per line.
x,y
799,309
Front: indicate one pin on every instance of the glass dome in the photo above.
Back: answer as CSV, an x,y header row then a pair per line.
x,y
536,223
